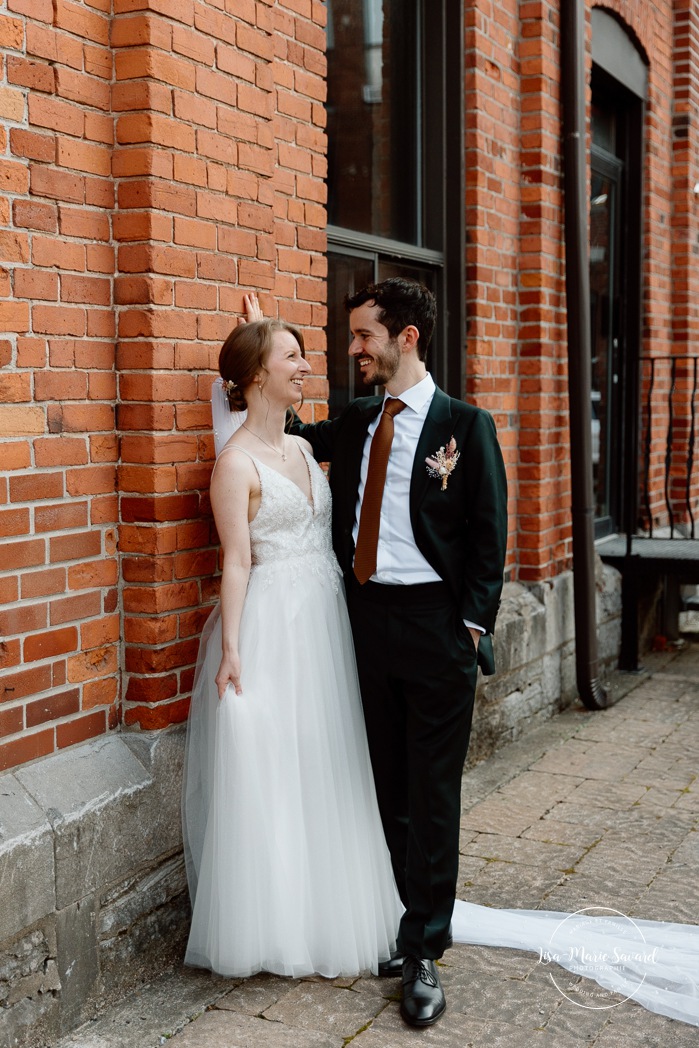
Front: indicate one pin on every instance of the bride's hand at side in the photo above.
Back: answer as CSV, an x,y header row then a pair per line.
x,y
229,673
233,484
253,310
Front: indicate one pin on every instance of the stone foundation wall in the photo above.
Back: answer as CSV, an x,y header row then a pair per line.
x,y
535,656
94,898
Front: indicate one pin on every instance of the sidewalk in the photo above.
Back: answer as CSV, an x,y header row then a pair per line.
x,y
588,809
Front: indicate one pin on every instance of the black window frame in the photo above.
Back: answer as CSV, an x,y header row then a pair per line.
x,y
440,199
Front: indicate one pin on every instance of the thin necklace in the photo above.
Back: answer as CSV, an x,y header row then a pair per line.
x,y
282,453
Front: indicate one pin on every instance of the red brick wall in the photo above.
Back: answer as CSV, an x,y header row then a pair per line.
x,y
155,160
685,173
543,510
685,229
515,279
492,88
59,620
219,162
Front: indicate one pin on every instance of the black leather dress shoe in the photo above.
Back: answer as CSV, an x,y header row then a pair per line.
x,y
393,967
423,997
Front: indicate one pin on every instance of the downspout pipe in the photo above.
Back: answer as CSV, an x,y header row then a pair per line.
x,y
590,689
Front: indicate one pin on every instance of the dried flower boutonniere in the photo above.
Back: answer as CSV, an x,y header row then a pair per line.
x,y
443,462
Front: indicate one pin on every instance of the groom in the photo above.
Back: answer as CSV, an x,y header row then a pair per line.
x,y
420,529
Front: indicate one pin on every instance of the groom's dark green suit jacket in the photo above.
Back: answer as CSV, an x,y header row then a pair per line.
x,y
461,531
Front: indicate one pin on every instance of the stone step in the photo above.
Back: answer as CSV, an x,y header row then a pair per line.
x,y
151,1015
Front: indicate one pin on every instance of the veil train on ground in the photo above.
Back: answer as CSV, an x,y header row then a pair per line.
x,y
653,963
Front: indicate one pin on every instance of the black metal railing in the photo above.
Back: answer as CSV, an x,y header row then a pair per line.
x,y
669,388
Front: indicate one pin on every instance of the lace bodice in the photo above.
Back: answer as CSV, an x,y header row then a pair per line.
x,y
288,534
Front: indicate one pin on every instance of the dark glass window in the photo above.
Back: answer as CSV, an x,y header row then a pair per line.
x,y
604,128
346,274
374,118
604,244
395,150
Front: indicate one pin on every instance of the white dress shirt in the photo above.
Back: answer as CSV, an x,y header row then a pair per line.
x,y
399,562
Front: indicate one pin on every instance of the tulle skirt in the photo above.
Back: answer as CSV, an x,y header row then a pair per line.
x,y
287,863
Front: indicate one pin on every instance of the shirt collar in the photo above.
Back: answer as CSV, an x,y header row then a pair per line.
x,y
418,395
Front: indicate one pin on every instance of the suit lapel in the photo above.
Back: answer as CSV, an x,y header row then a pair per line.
x,y
436,431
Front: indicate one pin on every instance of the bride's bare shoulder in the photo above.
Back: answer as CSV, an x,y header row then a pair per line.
x,y
234,464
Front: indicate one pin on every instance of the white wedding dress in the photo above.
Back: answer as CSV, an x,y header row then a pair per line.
x,y
287,864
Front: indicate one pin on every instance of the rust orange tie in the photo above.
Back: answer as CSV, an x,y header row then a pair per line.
x,y
370,516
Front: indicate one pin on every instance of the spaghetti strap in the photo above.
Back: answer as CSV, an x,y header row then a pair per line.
x,y
235,447
260,466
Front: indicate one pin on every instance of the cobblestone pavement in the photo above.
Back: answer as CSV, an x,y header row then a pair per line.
x,y
586,809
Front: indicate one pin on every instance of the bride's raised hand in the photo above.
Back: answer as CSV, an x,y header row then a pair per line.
x,y
229,673
253,310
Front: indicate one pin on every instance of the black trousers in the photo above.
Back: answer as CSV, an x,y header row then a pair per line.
x,y
417,673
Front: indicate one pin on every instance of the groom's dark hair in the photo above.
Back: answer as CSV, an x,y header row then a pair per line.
x,y
402,303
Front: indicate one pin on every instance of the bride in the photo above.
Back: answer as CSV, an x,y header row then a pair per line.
x,y
287,865
286,861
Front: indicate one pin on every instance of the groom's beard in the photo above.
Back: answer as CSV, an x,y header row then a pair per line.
x,y
384,365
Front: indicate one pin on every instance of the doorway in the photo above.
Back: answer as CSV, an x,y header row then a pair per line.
x,y
615,297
